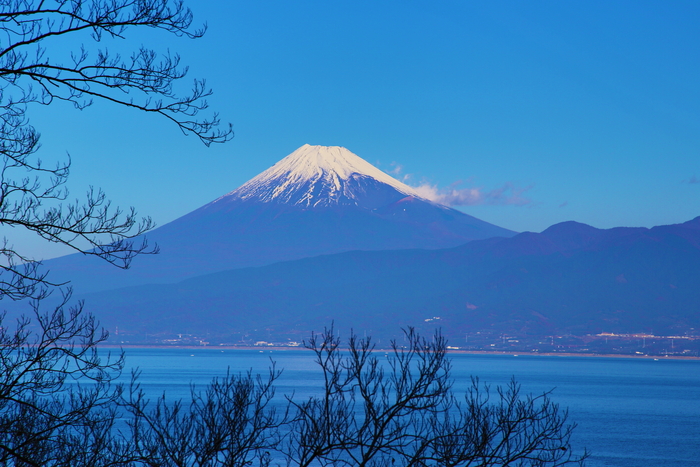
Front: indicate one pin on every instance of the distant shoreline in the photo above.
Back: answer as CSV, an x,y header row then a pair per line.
x,y
449,351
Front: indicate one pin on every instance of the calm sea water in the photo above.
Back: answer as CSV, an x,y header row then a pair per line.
x,y
629,412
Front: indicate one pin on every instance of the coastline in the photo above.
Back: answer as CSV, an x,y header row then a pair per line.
x,y
449,351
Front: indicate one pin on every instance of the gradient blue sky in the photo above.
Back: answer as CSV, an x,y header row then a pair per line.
x,y
529,113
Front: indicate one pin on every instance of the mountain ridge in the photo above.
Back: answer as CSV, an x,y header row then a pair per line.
x,y
625,280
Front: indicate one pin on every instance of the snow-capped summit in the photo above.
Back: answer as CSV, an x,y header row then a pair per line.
x,y
315,176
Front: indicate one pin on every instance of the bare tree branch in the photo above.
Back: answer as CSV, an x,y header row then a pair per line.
x,y
33,196
56,392
401,411
231,423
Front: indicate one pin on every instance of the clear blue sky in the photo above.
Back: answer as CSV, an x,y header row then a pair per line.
x,y
533,112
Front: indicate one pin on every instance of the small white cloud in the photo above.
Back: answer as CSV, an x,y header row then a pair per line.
x,y
462,192
427,191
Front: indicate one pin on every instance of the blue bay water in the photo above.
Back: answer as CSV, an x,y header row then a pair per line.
x,y
629,412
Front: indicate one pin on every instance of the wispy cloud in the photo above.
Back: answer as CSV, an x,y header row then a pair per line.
x,y
396,169
464,192
397,172
459,195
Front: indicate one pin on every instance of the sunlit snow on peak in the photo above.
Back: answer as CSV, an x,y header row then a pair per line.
x,y
316,176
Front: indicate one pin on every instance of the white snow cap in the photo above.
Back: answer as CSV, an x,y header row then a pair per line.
x,y
314,175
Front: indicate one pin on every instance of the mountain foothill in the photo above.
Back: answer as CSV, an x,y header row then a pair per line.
x,y
323,237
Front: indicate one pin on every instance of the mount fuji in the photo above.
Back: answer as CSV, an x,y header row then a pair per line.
x,y
318,200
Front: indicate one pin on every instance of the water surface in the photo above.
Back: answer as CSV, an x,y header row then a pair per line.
x,y
629,412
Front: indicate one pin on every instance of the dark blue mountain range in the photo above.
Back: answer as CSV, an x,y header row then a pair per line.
x,y
571,278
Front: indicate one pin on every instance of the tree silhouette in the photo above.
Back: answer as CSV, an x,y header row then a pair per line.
x,y
401,411
58,400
